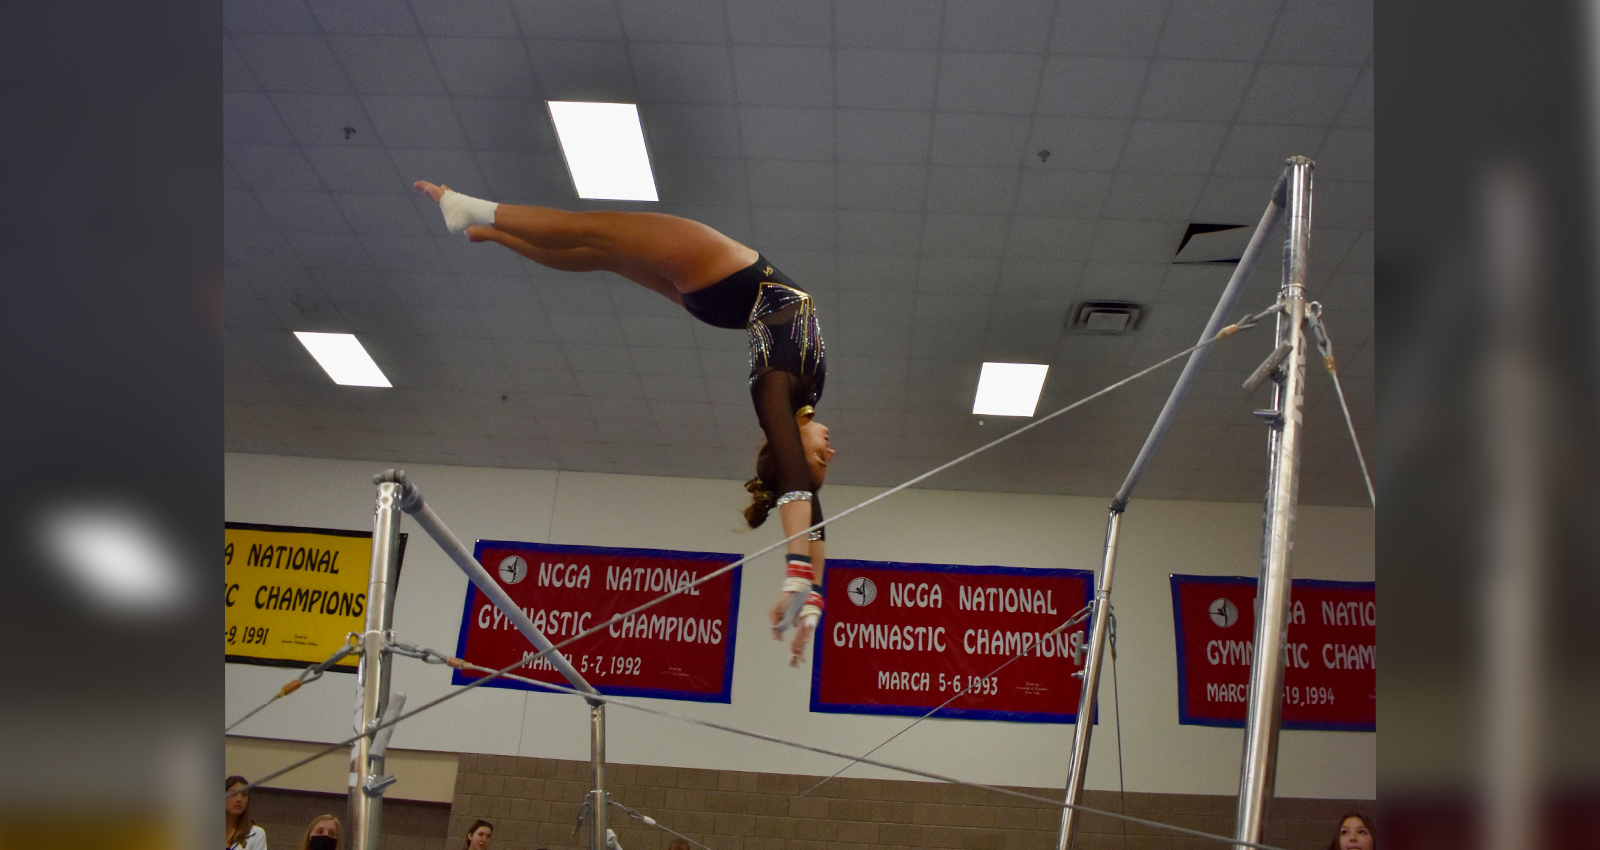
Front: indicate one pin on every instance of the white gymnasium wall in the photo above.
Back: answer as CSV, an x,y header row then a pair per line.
x,y
1158,538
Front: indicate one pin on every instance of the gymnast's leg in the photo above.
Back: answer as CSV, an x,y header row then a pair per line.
x,y
578,260
688,254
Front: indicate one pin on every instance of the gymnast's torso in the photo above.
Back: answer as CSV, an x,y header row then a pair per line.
x,y
779,317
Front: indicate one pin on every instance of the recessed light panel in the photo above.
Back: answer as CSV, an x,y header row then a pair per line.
x,y
1009,389
604,146
343,358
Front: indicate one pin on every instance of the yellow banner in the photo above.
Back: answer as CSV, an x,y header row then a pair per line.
x,y
293,594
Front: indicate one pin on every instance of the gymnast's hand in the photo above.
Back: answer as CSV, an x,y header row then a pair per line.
x,y
804,627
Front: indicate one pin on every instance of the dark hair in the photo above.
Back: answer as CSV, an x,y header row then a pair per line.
x,y
1372,829
474,828
678,844
241,830
762,498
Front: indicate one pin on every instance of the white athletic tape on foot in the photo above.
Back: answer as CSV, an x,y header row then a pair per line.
x,y
463,211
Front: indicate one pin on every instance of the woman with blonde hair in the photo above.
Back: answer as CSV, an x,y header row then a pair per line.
x,y
322,834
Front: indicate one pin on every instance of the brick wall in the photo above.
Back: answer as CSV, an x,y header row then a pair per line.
x,y
533,804
407,824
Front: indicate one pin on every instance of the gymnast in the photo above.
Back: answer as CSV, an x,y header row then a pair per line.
x,y
725,284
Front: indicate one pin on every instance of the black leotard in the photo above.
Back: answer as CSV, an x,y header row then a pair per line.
x,y
787,363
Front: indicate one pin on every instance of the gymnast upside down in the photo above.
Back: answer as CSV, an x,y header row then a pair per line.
x,y
722,283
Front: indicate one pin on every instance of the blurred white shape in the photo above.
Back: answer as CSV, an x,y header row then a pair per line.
x,y
115,557
1009,389
343,358
604,146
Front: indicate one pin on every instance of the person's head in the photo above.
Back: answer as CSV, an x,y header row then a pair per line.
x,y
1356,832
322,834
818,451
478,835
236,805
678,844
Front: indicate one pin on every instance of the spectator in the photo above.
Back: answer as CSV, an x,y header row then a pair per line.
x,y
322,834
678,844
1356,832
241,833
479,834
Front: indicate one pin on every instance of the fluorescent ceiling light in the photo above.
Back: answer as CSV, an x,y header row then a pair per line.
x,y
604,146
1009,389
343,358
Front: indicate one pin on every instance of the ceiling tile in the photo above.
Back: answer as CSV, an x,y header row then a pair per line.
x,y
783,76
1096,86
989,82
364,17
444,17
1016,25
285,16
454,168
881,186
792,184
1218,29
387,64
1077,144
1172,147
951,235
395,214
683,73
1036,238
1357,110
882,136
250,117
525,178
1234,200
1090,28
879,232
910,24
1136,241
1122,282
807,22
1153,197
415,121
807,230
1347,154
1260,150
583,20
326,119
313,212
1297,94
1069,194
886,79
505,124
241,212
994,141
959,275
1323,33
685,20
583,70
691,130
485,67
329,250
981,191
705,181
236,75
1194,91
787,133
272,167
355,169
1039,278
298,63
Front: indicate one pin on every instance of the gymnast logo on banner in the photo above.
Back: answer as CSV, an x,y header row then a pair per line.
x,y
679,649
1330,672
907,638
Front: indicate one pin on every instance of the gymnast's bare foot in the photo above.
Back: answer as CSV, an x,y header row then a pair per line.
x,y
460,211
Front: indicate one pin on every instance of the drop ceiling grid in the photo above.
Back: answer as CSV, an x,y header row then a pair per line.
x,y
327,235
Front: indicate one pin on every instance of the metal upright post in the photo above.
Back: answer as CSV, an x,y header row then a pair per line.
x,y
597,757
1258,768
1092,664
373,676
1079,760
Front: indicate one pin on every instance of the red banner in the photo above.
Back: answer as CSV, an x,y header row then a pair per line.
x,y
1330,679
680,649
907,638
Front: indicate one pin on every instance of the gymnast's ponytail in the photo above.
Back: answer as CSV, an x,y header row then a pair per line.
x,y
762,498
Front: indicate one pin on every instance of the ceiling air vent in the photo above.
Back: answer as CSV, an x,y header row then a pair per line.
x,y
1104,317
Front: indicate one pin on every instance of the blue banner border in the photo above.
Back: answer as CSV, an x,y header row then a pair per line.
x,y
732,635
1184,718
820,646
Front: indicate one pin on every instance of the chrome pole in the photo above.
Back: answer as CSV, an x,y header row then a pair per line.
x,y
1078,767
1083,731
597,758
372,676
1258,767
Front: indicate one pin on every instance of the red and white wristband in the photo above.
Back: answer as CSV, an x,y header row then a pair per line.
x,y
806,601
